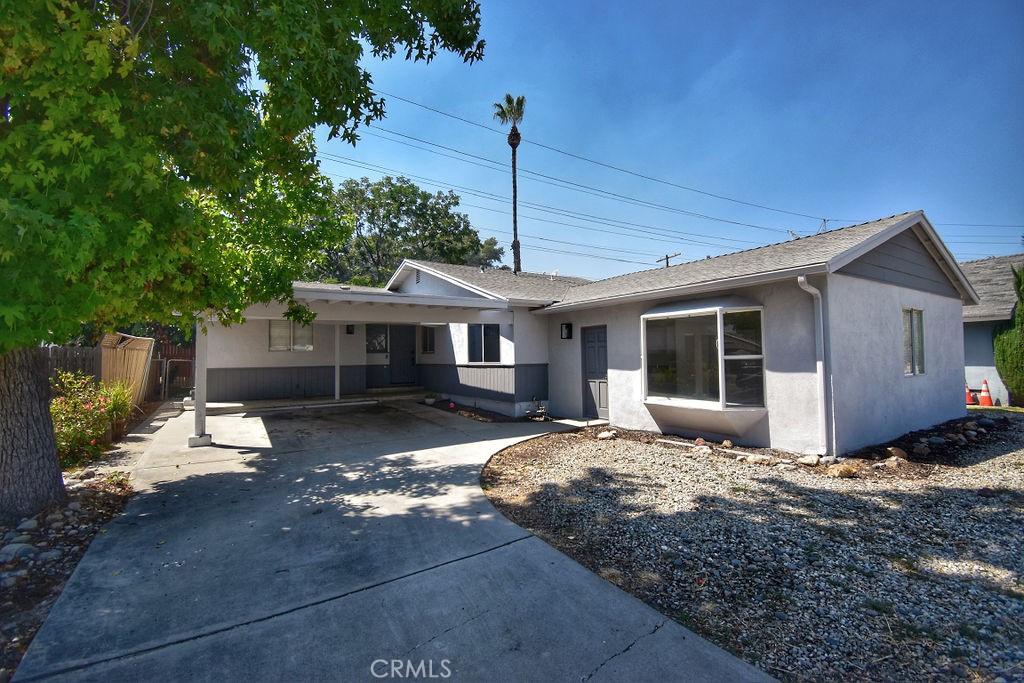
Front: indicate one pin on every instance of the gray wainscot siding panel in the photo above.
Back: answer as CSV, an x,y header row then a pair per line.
x,y
496,383
532,382
250,384
902,261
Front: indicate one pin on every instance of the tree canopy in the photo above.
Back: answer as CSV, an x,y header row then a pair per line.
x,y
157,161
393,219
157,156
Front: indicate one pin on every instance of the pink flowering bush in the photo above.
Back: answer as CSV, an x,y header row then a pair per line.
x,y
85,414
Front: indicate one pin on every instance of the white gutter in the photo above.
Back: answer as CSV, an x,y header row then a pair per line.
x,y
819,353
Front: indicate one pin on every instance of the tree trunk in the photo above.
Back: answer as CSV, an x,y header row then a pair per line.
x,y
30,477
517,264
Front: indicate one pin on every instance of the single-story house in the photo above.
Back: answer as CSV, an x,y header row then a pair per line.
x,y
820,344
992,279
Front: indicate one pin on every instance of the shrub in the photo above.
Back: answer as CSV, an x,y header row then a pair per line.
x,y
1008,343
85,414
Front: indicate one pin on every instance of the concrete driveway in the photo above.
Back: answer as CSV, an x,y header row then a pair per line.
x,y
349,544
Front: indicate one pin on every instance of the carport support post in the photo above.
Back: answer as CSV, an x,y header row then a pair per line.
x,y
200,438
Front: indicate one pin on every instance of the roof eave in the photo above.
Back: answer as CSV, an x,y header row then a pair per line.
x,y
686,290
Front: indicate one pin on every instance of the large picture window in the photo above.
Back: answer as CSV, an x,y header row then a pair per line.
x,y
913,341
286,335
484,343
708,355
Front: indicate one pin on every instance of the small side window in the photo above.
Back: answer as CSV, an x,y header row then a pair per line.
x,y
913,341
426,338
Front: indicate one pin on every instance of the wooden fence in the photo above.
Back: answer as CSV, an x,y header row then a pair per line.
x,y
85,359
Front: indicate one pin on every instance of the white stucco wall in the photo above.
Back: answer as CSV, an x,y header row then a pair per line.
x,y
980,362
790,378
872,399
529,337
248,346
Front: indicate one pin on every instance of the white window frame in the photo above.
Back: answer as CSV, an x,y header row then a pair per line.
x,y
292,340
719,312
483,346
913,342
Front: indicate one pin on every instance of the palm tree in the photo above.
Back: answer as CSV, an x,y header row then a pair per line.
x,y
511,111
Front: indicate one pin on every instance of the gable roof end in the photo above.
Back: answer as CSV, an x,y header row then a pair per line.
x,y
533,289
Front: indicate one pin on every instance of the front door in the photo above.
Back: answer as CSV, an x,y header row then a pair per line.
x,y
402,362
595,372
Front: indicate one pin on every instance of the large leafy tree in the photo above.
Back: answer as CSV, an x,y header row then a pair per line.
x,y
157,156
394,219
511,111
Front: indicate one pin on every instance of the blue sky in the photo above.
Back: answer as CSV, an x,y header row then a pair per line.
x,y
844,111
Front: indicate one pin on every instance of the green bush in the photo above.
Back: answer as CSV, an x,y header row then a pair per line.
x,y
86,415
1008,342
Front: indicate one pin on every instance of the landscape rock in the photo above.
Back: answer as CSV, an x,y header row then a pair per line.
x,y
701,450
895,462
786,467
760,459
809,460
13,551
986,423
28,525
727,444
827,460
896,452
936,441
842,470
921,450
608,434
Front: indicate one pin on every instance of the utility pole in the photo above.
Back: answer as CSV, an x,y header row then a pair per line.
x,y
667,257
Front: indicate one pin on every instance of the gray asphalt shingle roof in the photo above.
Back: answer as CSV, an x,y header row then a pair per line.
x,y
798,253
993,281
537,287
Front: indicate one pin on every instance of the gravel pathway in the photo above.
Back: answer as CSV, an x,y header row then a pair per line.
x,y
906,571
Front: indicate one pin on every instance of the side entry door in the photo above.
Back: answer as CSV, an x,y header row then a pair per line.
x,y
595,372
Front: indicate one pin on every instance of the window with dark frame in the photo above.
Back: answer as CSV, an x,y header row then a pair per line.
x,y
426,339
376,338
484,343
913,341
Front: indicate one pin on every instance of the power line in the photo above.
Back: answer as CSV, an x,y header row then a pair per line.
x,y
671,233
586,189
606,165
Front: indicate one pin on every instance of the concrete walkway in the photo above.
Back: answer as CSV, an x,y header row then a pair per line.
x,y
344,544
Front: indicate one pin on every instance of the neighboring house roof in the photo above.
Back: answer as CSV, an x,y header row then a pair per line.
x,y
993,280
824,252
526,288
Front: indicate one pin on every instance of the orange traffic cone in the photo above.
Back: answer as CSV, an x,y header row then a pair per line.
x,y
970,397
986,398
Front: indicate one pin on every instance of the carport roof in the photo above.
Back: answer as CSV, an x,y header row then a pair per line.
x,y
312,292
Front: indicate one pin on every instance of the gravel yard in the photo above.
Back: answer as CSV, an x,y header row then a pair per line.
x,y
911,569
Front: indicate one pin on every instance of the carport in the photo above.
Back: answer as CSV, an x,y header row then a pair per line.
x,y
341,307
